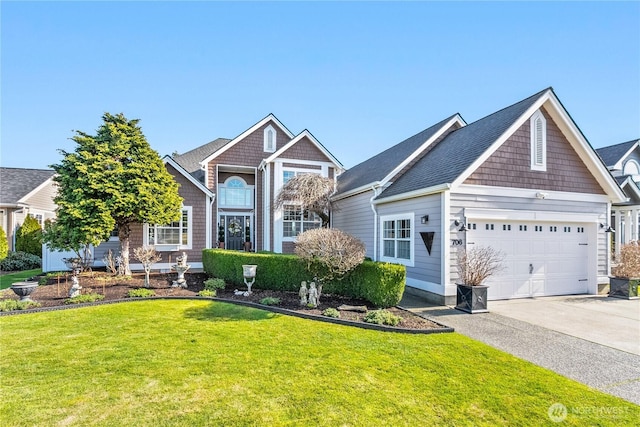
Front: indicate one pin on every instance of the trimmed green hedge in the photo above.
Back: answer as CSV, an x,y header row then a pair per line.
x,y
380,283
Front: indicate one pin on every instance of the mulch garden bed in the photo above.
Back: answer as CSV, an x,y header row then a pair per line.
x,y
113,288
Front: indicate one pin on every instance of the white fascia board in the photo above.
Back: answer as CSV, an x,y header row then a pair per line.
x,y
618,165
529,193
304,162
246,133
455,119
631,183
315,142
412,194
180,169
26,197
355,191
516,215
587,154
498,142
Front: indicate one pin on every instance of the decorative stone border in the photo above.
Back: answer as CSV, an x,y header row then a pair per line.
x,y
273,309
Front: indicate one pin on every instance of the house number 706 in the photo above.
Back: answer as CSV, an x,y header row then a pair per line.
x,y
456,242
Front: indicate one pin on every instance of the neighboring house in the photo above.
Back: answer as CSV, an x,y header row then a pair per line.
x,y
623,160
25,192
229,186
523,180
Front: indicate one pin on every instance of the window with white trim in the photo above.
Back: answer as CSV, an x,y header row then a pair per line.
x,y
269,139
397,238
235,193
176,234
295,220
538,142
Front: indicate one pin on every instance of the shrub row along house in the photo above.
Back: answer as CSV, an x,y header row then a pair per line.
x,y
523,180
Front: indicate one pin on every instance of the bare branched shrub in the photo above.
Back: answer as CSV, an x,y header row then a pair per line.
x,y
147,256
329,254
312,191
477,264
629,261
110,262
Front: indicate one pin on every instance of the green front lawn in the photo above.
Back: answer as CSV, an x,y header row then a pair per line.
x,y
6,280
196,363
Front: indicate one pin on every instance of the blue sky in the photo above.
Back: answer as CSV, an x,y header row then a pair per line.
x,y
360,76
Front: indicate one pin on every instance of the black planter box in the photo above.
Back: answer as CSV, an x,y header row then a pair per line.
x,y
472,299
621,287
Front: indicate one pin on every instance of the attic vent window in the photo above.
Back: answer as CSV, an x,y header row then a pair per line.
x,y
538,142
269,139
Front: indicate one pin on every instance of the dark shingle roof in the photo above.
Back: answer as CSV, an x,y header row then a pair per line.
x,y
15,183
379,166
455,153
612,154
190,160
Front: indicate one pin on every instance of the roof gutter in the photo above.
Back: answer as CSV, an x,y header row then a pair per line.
x,y
412,194
358,190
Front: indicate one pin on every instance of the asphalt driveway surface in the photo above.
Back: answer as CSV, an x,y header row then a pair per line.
x,y
592,339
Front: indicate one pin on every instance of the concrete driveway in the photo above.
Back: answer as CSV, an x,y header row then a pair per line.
x,y
612,322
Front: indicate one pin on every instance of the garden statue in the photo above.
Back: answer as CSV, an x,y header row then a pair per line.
x,y
303,293
313,295
74,291
181,267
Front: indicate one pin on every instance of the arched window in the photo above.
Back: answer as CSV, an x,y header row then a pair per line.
x,y
235,193
631,167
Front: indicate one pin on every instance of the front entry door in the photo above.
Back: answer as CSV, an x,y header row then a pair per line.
x,y
235,232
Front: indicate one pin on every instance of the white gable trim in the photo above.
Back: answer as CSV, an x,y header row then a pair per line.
x,y
313,140
570,131
631,183
411,194
530,193
25,198
246,133
180,169
455,119
618,165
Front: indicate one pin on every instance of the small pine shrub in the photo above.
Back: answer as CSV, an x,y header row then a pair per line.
x,y
29,237
4,244
19,261
382,317
207,293
270,301
141,293
11,305
84,298
331,312
214,284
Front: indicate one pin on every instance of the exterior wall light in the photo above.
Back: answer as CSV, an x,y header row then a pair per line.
x,y
424,219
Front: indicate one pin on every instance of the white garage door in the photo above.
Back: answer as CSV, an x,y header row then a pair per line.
x,y
542,258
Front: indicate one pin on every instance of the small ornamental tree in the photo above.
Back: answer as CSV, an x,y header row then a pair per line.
x,y
29,237
112,180
475,265
147,256
4,244
629,265
311,191
329,254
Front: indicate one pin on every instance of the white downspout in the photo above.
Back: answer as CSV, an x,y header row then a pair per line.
x,y
375,223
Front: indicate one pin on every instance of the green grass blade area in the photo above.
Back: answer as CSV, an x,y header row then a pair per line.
x,y
196,363
6,280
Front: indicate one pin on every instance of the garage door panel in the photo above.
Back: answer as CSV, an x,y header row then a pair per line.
x,y
540,258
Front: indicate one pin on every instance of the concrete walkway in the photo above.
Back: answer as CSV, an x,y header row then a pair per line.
x,y
523,328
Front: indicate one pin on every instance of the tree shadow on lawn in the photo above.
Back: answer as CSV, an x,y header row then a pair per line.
x,y
225,312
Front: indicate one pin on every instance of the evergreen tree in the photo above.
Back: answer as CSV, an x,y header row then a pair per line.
x,y
29,237
4,244
112,180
